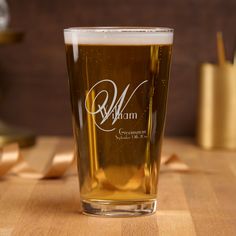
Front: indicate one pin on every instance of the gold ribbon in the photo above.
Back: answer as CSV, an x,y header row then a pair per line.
x,y
9,156
12,162
173,162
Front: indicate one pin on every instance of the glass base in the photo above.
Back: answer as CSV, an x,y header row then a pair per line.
x,y
120,209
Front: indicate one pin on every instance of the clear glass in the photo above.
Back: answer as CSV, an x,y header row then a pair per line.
x,y
4,15
118,81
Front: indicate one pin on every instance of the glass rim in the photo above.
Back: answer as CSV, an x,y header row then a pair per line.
x,y
119,29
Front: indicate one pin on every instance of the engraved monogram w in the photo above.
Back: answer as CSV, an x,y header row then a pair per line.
x,y
116,108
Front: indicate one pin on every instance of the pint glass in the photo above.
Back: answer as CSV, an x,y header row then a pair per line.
x,y
118,80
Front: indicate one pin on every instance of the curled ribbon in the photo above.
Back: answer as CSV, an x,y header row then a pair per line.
x,y
173,162
12,162
8,158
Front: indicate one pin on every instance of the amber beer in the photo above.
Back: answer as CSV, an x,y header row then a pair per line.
x,y
118,87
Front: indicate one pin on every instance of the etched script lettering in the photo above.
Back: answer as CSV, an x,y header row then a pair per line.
x,y
116,107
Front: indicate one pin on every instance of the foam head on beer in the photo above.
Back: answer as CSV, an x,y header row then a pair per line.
x,y
118,36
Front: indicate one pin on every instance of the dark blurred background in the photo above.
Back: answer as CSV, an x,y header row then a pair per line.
x,y
33,76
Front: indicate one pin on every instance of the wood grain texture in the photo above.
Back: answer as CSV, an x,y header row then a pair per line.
x,y
198,203
33,77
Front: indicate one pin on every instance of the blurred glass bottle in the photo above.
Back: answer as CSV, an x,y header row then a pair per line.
x,y
4,15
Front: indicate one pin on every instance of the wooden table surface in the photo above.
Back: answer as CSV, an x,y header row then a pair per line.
x,y
201,202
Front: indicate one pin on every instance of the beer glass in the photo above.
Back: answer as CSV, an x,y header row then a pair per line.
x,y
118,80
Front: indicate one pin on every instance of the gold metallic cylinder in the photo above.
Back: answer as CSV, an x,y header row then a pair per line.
x,y
216,126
